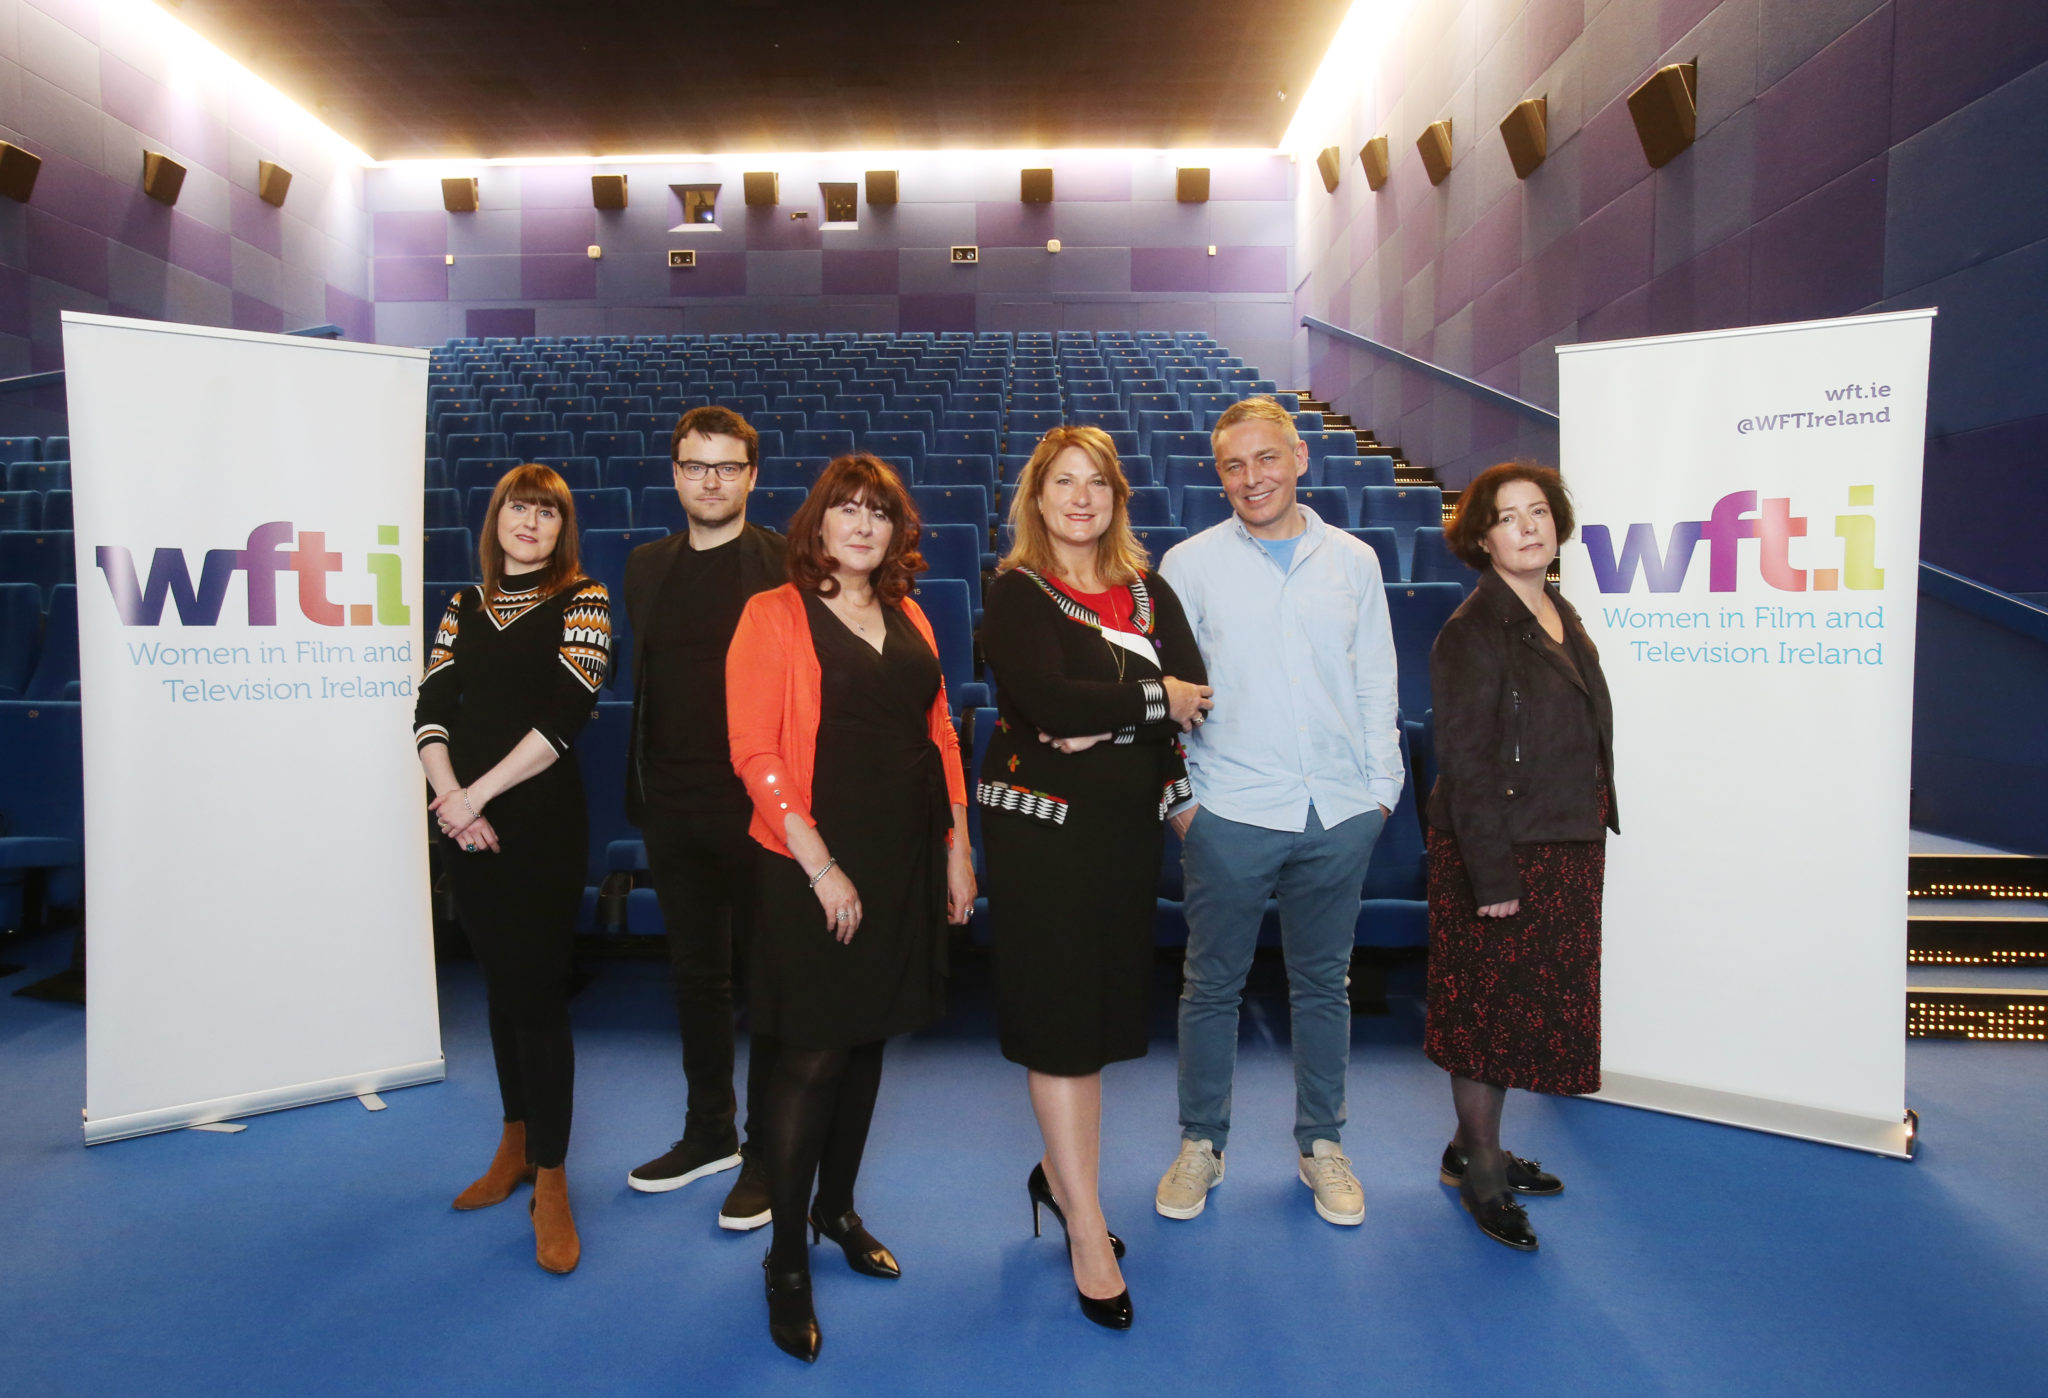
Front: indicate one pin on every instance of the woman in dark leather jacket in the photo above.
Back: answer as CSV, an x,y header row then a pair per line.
x,y
1517,828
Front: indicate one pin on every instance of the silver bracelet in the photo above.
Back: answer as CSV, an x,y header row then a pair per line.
x,y
822,872
466,806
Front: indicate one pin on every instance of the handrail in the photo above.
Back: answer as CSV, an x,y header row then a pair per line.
x,y
54,378
1436,371
1985,602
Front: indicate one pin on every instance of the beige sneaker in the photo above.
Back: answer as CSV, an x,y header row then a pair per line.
x,y
1184,1189
1339,1197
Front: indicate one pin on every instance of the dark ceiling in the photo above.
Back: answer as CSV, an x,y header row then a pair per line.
x,y
409,78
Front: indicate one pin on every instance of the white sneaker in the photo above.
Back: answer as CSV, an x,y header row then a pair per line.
x,y
1184,1189
1339,1196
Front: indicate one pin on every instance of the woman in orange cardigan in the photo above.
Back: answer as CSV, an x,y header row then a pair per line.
x,y
839,727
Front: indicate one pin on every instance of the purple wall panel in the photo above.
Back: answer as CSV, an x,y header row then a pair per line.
x,y
1014,225
554,187
81,15
1549,27
1246,269
191,131
1080,178
1614,249
1170,269
197,248
1950,52
14,314
1828,115
558,231
66,253
1264,180
1610,156
937,311
556,276
498,321
411,279
356,316
141,223
75,193
251,314
1709,292
861,273
716,274
412,233
1823,256
255,222
771,229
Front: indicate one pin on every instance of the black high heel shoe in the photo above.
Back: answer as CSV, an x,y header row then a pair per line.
x,y
1041,1197
1112,1314
863,1252
792,1323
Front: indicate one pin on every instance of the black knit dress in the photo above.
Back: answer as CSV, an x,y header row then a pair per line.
x,y
524,664
1073,840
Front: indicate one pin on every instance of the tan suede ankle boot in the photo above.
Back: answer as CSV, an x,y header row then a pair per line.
x,y
555,1244
508,1171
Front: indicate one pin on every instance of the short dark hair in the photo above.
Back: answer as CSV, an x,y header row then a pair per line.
x,y
849,477
1478,511
714,422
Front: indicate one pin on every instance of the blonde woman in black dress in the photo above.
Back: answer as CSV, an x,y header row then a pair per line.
x,y
511,679
1098,676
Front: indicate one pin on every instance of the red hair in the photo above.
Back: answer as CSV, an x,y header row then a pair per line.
x,y
860,477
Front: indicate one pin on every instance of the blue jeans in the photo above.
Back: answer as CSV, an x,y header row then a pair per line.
x,y
1316,874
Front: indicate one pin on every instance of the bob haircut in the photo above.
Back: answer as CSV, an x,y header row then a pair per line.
x,y
714,421
1119,557
858,477
532,484
1259,409
1478,510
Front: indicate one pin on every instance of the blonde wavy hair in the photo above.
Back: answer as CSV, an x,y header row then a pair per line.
x,y
1119,557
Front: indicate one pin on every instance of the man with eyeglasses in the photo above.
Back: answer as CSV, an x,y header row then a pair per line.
x,y
684,595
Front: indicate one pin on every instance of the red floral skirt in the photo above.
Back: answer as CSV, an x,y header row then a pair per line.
x,y
1515,1001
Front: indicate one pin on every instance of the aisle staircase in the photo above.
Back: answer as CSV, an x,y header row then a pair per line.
x,y
1977,944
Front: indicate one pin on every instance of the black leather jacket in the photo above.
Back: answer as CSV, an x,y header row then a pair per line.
x,y
1522,744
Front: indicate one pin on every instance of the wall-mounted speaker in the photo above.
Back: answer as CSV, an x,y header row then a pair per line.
x,y
1035,186
881,187
1666,111
608,191
162,177
458,195
1526,131
1373,156
1326,165
762,188
273,182
18,171
1191,184
1435,145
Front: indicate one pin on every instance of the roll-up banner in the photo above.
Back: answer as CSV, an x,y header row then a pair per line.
x,y
1746,559
248,516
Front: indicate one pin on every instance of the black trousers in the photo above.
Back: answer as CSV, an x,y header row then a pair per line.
x,y
704,875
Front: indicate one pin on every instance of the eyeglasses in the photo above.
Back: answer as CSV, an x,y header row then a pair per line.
x,y
727,470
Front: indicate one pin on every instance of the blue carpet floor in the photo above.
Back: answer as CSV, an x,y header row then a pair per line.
x,y
315,1253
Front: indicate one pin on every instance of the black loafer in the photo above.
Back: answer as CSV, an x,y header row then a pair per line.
x,y
1499,1218
1524,1176
792,1322
864,1253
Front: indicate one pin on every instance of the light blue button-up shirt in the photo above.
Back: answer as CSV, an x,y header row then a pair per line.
x,y
1302,662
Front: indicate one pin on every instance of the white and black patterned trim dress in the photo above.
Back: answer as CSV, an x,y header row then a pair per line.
x,y
1073,840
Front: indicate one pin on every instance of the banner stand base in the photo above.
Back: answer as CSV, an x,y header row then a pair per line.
x,y
120,1128
1896,1139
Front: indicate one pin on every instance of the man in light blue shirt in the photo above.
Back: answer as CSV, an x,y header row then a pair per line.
x,y
1295,771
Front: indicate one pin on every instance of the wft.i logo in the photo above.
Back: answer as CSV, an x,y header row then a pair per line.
x,y
199,604
1774,527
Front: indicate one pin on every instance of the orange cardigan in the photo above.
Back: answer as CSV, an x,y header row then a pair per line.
x,y
772,687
